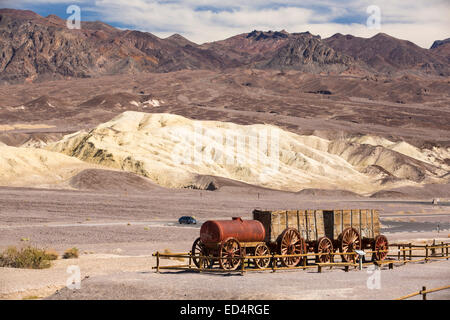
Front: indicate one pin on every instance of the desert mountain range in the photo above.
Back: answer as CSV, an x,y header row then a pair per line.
x,y
34,47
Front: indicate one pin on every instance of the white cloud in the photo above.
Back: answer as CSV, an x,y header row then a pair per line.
x,y
420,21
23,3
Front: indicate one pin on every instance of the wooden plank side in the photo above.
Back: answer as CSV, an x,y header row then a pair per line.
x,y
337,223
320,224
302,222
366,229
346,218
369,224
310,225
282,221
355,219
292,221
376,223
276,225
313,231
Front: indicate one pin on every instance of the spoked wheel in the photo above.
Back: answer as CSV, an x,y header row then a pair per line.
x,y
230,254
199,249
261,250
380,244
349,242
291,243
325,246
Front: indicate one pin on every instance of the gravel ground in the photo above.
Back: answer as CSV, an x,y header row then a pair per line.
x,y
117,233
330,284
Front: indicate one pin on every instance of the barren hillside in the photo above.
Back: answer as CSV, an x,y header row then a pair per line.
x,y
174,151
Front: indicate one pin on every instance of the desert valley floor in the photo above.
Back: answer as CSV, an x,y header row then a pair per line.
x,y
118,232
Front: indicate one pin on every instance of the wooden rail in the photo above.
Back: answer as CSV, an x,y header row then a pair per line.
x,y
423,292
402,258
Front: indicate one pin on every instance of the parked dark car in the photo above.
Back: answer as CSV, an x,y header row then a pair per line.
x,y
187,220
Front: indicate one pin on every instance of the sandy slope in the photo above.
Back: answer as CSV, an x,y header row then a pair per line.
x,y
173,151
433,156
36,167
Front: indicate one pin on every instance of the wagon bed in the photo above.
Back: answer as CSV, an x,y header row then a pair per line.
x,y
314,224
324,231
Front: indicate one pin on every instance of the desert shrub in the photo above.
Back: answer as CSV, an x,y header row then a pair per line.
x,y
71,253
51,254
27,258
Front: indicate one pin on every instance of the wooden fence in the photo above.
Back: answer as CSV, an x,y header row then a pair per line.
x,y
401,254
423,292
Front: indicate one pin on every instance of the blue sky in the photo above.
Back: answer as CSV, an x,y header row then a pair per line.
x,y
420,21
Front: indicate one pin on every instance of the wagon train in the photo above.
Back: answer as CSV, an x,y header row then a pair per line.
x,y
289,233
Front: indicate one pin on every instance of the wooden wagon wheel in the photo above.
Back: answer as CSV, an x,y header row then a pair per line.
x,y
349,242
199,249
291,243
261,250
380,243
230,254
324,245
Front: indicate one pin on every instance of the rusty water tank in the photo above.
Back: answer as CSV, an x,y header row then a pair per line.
x,y
215,231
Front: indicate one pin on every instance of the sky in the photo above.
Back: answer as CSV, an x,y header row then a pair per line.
x,y
419,21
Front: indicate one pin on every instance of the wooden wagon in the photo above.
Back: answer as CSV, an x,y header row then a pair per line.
x,y
322,232
289,233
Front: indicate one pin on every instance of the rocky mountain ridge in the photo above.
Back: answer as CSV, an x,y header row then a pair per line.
x,y
33,47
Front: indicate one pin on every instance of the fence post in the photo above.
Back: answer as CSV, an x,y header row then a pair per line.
x,y
157,261
424,295
446,250
433,249
274,262
404,254
442,248
242,265
398,251
426,253
410,251
190,259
